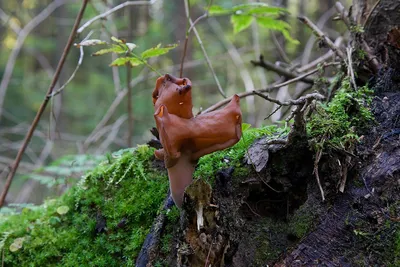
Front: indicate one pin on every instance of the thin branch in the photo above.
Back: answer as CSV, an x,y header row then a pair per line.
x,y
280,49
281,71
112,135
322,35
268,89
205,15
19,43
112,10
321,59
44,103
59,90
316,172
203,49
344,16
350,70
239,64
291,102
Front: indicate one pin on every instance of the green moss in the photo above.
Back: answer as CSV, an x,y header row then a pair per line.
x,y
335,125
301,222
269,238
397,249
233,156
170,228
110,212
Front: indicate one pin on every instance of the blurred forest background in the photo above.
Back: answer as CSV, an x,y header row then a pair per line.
x,y
89,118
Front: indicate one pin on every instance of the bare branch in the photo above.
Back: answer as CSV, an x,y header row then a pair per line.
x,y
59,90
268,89
281,71
291,102
280,49
113,134
322,35
112,10
321,59
203,49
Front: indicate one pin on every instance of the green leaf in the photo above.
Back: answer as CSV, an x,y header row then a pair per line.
x,y
157,51
241,22
135,62
62,210
115,39
258,8
121,61
277,25
216,10
113,49
272,24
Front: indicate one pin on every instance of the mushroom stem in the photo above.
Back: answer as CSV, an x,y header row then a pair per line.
x,y
180,176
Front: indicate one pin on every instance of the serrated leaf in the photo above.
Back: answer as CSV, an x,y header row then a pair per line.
x,y
272,24
277,25
62,210
113,49
91,42
120,61
241,22
216,10
135,62
157,51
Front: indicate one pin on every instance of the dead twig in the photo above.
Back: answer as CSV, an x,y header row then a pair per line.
x,y
317,159
209,252
322,35
344,16
112,10
321,59
192,25
205,15
280,49
44,103
281,71
268,89
290,102
350,69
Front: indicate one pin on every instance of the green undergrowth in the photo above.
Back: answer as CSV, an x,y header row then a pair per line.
x,y
336,124
102,221
233,156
